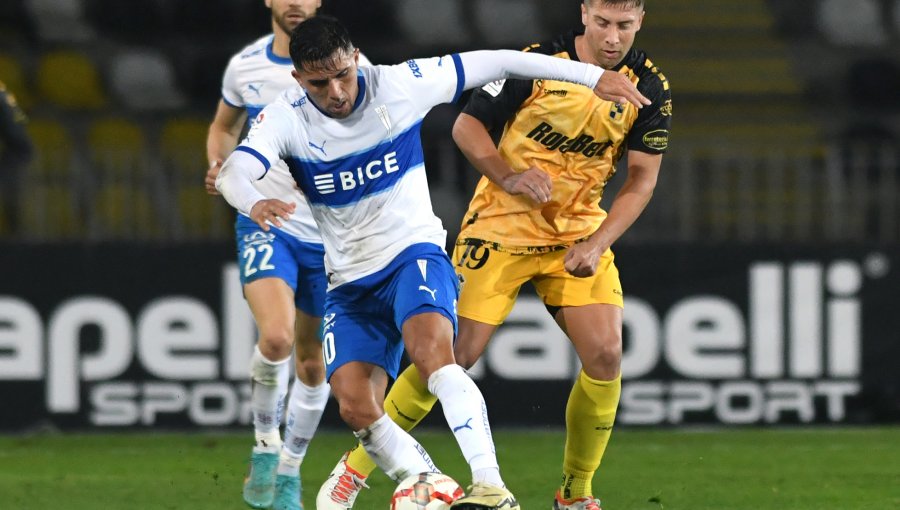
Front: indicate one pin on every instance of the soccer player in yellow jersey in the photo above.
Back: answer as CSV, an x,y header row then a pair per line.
x,y
535,216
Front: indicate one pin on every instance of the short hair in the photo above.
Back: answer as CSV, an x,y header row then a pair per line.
x,y
627,4
317,40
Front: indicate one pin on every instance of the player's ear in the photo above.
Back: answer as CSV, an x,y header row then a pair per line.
x,y
296,76
269,4
584,15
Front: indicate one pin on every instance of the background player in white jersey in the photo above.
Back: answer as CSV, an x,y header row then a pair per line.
x,y
282,272
350,137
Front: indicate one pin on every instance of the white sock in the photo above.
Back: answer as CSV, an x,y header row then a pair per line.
x,y
466,414
394,450
269,387
305,409
288,464
268,440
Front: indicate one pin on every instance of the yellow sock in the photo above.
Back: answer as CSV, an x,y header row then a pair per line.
x,y
407,403
590,414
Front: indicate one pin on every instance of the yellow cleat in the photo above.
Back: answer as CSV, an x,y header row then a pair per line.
x,y
484,496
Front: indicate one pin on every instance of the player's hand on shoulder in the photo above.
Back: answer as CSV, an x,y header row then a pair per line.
x,y
616,87
582,259
272,211
211,173
533,183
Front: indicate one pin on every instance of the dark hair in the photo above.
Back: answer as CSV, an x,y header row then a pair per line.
x,y
317,40
628,4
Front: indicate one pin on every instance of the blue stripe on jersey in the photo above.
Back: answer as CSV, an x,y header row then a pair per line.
x,y
460,76
348,180
262,159
270,54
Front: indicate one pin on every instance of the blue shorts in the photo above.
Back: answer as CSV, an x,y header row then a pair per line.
x,y
274,254
363,318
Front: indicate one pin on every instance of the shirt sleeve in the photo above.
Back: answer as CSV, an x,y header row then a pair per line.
x,y
650,132
231,91
270,137
430,81
497,102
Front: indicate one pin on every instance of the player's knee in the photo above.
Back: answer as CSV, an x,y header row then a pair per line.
x,y
465,358
605,358
357,415
310,368
276,343
429,353
265,370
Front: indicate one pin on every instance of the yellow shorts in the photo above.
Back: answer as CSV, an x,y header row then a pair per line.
x,y
491,276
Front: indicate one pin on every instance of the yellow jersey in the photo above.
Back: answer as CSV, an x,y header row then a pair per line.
x,y
573,136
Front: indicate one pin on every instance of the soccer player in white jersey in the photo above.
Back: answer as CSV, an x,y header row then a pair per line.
x,y
350,137
282,273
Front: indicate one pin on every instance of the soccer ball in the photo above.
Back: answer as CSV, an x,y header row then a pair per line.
x,y
426,491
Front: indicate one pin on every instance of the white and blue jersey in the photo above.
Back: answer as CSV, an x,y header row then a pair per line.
x,y
255,77
364,178
364,175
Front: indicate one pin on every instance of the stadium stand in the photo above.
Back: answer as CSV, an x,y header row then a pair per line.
x,y
123,204
452,30
199,216
52,185
752,98
852,22
145,80
502,22
60,20
13,76
70,80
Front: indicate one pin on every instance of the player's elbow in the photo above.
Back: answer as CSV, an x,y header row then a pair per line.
x,y
222,177
465,128
458,131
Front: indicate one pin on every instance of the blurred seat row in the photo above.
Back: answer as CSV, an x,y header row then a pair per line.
x,y
69,79
113,181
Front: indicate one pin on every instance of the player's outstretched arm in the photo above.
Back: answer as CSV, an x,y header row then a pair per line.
x,y
484,66
235,182
475,142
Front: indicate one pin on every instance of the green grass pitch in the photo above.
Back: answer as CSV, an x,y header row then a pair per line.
x,y
722,469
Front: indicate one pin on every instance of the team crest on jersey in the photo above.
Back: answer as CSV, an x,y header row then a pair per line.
x,y
616,111
666,109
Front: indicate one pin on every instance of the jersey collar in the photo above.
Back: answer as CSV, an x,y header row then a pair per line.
x,y
361,82
270,54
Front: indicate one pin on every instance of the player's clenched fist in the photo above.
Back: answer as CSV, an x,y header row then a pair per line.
x,y
272,211
616,87
582,259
